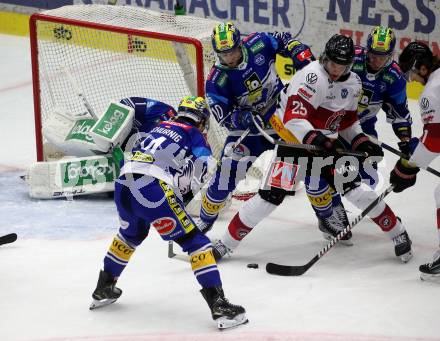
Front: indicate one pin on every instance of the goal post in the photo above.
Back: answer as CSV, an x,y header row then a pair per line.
x,y
113,52
86,56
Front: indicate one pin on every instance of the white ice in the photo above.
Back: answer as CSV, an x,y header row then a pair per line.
x,y
47,276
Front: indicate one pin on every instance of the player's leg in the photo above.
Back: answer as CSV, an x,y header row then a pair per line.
x,y
133,230
173,223
385,218
260,206
431,270
230,172
328,208
368,171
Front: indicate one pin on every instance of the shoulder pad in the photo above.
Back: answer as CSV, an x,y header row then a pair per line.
x,y
256,44
217,76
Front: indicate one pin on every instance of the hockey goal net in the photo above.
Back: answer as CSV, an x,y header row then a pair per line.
x,y
106,53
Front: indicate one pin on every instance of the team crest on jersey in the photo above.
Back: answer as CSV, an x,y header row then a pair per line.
x,y
424,103
259,59
344,93
254,86
334,121
311,78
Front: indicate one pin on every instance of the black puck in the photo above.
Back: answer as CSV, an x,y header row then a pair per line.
x,y
252,265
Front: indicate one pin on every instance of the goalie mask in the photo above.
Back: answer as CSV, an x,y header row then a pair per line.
x,y
195,109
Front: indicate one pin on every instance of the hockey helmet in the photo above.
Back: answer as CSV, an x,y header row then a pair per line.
x,y
196,109
340,50
413,56
381,41
225,37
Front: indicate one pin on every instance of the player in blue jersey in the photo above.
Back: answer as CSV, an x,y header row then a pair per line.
x,y
243,80
383,86
162,168
148,112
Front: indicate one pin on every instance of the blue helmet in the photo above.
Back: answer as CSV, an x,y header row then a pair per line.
x,y
196,109
381,41
225,37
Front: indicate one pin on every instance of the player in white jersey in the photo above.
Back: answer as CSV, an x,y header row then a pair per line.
x,y
319,104
419,64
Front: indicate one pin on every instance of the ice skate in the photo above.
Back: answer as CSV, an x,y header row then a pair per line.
x,y
226,315
333,225
431,271
402,247
106,292
202,225
219,250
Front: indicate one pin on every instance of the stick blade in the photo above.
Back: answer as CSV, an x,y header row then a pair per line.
x,y
286,270
9,238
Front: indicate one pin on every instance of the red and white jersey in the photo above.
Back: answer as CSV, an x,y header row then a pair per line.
x,y
313,102
429,103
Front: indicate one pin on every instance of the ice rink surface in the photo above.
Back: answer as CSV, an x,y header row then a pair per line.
x,y
47,276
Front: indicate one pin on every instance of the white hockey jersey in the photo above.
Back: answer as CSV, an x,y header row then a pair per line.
x,y
429,103
313,102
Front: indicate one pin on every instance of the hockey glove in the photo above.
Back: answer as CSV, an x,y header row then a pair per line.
x,y
317,138
361,143
242,120
403,132
408,147
300,53
403,176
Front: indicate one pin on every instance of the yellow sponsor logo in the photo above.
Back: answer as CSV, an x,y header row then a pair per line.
x,y
210,207
322,200
202,260
178,210
141,157
120,249
281,130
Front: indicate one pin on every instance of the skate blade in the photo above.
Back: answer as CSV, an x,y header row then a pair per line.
x,y
347,242
406,257
101,303
224,323
430,277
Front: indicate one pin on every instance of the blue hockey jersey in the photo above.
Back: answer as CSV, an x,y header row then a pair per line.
x,y
148,112
170,149
253,83
385,89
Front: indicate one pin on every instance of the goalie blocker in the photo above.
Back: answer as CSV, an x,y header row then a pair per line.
x,y
73,176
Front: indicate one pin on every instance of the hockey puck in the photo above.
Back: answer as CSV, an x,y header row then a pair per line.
x,y
252,266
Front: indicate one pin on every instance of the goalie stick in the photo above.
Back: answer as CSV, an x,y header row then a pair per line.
x,y
399,153
8,238
298,270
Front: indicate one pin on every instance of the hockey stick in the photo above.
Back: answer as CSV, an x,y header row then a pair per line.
x,y
171,253
8,238
79,93
399,153
310,147
298,270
